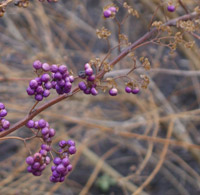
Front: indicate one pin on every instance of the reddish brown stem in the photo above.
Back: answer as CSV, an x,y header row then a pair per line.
x,y
144,38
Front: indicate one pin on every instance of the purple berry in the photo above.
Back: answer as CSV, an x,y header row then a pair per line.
x,y
89,71
45,147
71,142
47,160
65,161
29,160
54,68
135,90
3,113
33,84
58,76
39,90
30,91
171,8
45,131
71,78
48,85
36,166
37,64
87,65
62,143
42,167
45,77
29,169
128,89
55,174
91,78
53,168
46,93
52,179
87,91
60,168
62,179
46,67
52,132
82,85
61,83
42,123
94,91
43,152
113,91
68,85
72,149
112,9
30,124
5,124
39,97
37,173
2,106
57,161
69,167
107,13
37,157
62,69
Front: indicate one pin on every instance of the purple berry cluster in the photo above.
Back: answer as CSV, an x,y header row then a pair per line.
x,y
49,76
42,126
109,12
62,164
129,89
38,162
88,86
4,124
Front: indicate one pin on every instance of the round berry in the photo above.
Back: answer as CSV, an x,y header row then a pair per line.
x,y
30,91
57,161
3,113
82,85
46,93
33,84
89,71
135,90
87,65
71,142
54,68
62,69
171,8
39,97
94,91
37,64
5,124
112,9
46,67
30,124
128,89
72,149
69,167
42,123
2,106
107,13
113,91
45,77
45,131
29,160
52,132
65,161
60,168
58,76
62,143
